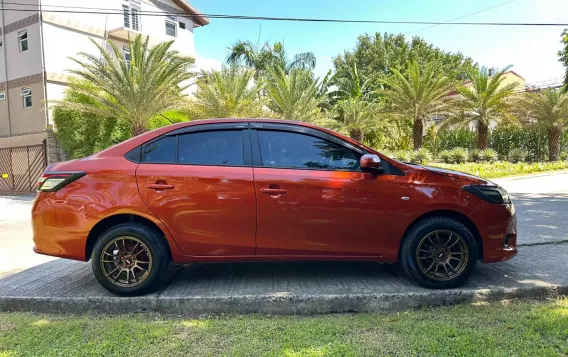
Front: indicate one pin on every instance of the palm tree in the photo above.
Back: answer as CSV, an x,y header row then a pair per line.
x,y
485,100
419,94
152,83
293,96
228,93
263,58
563,57
548,109
348,84
359,116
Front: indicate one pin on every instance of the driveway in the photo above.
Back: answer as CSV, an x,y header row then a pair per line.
x,y
32,282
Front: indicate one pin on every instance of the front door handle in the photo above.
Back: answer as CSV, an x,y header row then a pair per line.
x,y
160,186
273,191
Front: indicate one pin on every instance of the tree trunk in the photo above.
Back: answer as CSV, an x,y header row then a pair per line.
x,y
554,135
417,133
138,128
356,134
482,136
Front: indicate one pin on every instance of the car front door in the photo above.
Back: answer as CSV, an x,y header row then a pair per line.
x,y
199,182
313,198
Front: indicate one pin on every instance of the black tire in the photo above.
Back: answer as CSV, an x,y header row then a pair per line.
x,y
428,231
155,250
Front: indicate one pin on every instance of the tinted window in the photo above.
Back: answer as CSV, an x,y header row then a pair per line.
x,y
212,148
163,150
293,150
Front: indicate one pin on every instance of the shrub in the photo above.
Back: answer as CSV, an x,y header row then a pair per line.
x,y
446,156
421,156
458,155
474,155
449,139
403,155
488,155
518,155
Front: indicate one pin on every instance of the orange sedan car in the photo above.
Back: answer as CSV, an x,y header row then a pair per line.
x,y
264,190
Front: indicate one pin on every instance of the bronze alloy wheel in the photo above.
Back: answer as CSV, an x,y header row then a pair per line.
x,y
442,255
126,261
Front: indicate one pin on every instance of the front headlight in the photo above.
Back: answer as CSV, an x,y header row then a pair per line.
x,y
491,194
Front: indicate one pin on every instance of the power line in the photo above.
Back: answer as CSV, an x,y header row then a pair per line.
x,y
461,17
295,19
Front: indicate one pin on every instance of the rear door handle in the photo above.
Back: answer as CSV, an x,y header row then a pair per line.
x,y
160,186
273,191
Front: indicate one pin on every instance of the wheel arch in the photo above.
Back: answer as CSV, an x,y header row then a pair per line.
x,y
108,222
460,217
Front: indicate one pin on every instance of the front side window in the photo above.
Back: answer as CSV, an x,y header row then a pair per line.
x,y
281,149
171,26
220,147
27,97
23,40
161,151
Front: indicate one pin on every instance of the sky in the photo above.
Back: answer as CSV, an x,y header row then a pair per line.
x,y
532,51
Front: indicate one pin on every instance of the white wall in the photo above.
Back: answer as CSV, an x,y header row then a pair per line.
x,y
23,64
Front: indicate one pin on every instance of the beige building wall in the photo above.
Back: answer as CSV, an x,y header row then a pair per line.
x,y
27,120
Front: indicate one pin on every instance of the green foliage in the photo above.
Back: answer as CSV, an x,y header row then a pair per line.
x,y
449,139
488,155
228,93
152,83
563,55
458,155
376,55
474,155
167,118
504,168
403,155
446,156
421,156
83,134
293,96
518,155
532,139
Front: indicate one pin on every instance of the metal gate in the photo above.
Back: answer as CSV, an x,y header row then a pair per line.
x,y
21,167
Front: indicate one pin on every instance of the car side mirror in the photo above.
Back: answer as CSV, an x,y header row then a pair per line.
x,y
370,162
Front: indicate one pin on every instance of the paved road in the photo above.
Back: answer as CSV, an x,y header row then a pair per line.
x,y
542,203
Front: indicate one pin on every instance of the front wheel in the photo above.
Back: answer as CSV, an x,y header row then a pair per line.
x,y
439,253
130,259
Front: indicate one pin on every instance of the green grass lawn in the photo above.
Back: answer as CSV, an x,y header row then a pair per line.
x,y
503,168
526,328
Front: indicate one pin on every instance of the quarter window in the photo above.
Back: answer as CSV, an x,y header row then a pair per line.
x,y
27,97
282,149
161,151
23,40
220,147
171,26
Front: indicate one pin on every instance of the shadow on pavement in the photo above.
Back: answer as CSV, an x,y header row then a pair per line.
x,y
541,217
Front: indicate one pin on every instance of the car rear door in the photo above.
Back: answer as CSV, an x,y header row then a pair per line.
x,y
199,182
313,199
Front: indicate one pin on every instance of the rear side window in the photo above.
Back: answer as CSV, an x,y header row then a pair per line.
x,y
220,147
282,149
161,151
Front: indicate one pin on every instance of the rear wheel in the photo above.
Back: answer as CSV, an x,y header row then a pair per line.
x,y
439,253
130,259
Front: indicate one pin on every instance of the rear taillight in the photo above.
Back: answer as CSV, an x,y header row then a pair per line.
x,y
53,181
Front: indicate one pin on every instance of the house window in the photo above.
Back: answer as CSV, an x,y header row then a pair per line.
x,y
131,11
27,96
2,96
127,56
171,26
182,25
23,40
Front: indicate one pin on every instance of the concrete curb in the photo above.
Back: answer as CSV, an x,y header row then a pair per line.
x,y
528,176
281,304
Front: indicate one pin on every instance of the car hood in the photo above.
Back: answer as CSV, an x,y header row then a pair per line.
x,y
459,175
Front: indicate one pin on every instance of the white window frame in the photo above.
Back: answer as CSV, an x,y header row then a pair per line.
x,y
126,51
2,95
171,20
131,13
27,93
22,40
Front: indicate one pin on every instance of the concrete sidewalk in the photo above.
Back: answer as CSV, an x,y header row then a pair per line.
x,y
283,288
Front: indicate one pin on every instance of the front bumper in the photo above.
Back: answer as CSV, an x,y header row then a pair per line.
x,y
500,243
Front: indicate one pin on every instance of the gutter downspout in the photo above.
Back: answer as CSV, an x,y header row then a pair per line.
x,y
43,69
6,70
